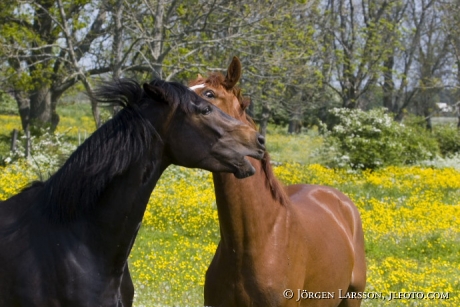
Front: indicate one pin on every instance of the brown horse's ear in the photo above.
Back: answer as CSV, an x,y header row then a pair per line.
x,y
155,92
199,76
233,73
245,102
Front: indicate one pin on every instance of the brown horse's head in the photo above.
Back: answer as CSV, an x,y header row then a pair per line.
x,y
197,134
222,91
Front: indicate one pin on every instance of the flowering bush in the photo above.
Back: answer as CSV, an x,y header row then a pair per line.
x,y
369,140
47,152
7,104
448,138
451,161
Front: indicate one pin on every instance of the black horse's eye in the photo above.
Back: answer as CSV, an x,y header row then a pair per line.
x,y
206,110
209,94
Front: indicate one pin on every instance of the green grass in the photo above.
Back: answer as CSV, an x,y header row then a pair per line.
x,y
74,110
410,216
172,255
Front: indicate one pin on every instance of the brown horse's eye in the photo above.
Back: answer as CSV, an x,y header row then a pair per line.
x,y
209,94
206,110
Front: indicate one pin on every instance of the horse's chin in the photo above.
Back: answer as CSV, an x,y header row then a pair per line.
x,y
244,169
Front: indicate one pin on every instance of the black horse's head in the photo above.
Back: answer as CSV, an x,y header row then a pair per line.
x,y
197,134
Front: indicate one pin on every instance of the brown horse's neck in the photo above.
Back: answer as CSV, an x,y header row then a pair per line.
x,y
249,210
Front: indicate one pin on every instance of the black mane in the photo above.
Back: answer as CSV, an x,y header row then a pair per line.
x,y
67,239
109,151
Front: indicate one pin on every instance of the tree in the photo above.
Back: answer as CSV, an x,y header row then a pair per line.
x,y
451,26
355,39
42,43
299,57
400,63
276,45
433,63
47,46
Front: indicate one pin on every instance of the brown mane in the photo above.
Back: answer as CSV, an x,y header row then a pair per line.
x,y
216,79
276,187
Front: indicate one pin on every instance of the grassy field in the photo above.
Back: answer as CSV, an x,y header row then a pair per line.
x,y
411,220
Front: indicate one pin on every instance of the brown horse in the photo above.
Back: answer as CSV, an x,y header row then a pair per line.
x,y
300,245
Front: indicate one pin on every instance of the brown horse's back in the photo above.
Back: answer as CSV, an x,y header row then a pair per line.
x,y
336,225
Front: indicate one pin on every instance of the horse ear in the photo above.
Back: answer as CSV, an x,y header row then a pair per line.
x,y
155,92
233,73
245,102
199,76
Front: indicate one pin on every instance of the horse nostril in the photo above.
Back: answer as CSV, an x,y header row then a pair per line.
x,y
261,139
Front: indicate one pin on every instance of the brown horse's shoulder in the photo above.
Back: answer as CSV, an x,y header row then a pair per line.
x,y
304,192
319,201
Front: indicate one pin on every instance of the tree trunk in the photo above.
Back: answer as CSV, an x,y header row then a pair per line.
x,y
24,108
42,110
250,108
94,105
97,113
388,84
428,123
457,106
264,119
399,116
458,84
24,113
294,126
14,139
349,99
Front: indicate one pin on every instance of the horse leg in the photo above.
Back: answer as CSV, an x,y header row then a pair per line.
x,y
127,288
358,281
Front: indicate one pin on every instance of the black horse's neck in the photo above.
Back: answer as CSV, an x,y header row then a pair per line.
x,y
117,215
110,152
102,191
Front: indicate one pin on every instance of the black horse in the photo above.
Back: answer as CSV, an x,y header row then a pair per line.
x,y
65,241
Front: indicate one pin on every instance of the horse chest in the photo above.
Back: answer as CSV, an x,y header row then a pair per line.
x,y
57,273
246,281
71,287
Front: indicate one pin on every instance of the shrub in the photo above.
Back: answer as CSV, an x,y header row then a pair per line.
x,y
451,161
47,153
372,139
7,104
448,138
